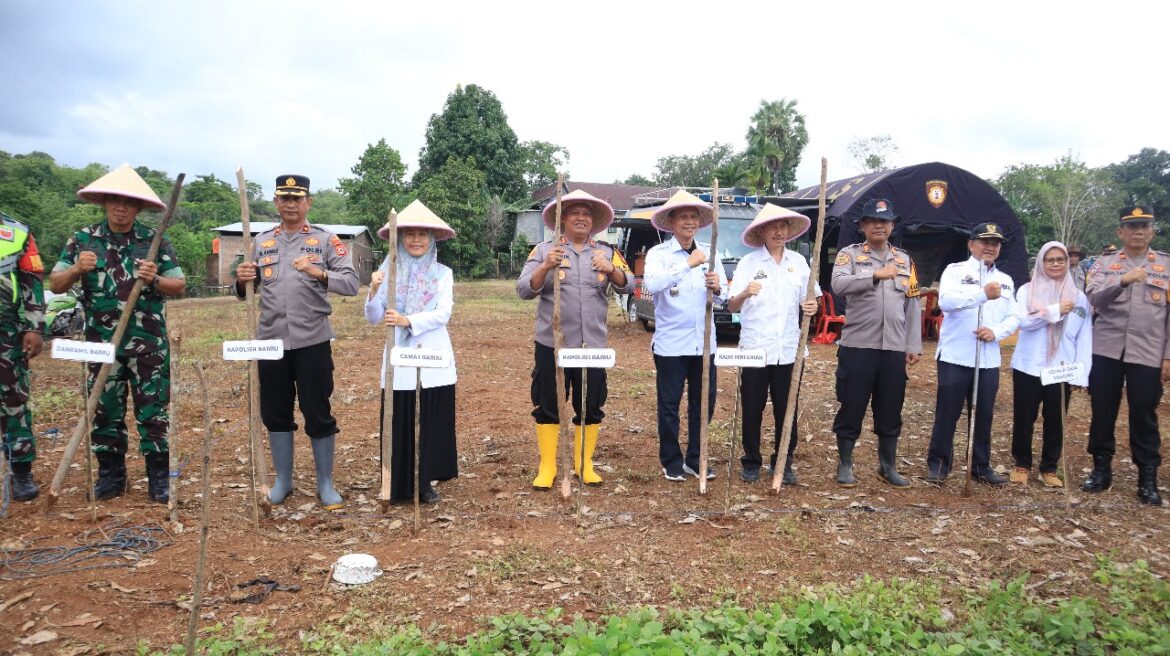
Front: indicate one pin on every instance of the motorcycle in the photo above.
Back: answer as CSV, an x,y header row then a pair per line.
x,y
64,315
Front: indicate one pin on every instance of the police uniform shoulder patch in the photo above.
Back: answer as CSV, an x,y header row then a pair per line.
x,y
532,253
842,259
618,261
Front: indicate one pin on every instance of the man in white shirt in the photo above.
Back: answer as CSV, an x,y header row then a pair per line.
x,y
978,304
678,277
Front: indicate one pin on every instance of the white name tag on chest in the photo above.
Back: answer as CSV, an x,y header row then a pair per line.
x,y
1062,373
255,349
70,349
589,358
734,357
419,358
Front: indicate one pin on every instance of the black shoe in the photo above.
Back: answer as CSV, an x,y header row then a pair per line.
x,y
845,476
695,472
23,487
750,475
111,480
935,473
674,474
887,462
1147,491
789,474
987,475
158,477
429,495
1102,477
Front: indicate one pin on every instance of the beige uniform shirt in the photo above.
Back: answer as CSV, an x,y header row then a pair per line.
x,y
1131,321
584,301
879,314
295,307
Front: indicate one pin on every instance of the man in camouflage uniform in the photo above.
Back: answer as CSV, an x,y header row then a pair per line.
x,y
107,258
22,323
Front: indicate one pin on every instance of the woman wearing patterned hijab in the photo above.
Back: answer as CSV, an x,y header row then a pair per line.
x,y
424,300
1055,329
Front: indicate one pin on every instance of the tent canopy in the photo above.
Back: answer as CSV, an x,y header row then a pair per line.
x,y
937,205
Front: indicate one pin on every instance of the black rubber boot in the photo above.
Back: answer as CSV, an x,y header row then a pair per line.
x,y
935,473
1147,491
111,480
1102,477
887,465
23,487
985,474
845,476
789,474
158,477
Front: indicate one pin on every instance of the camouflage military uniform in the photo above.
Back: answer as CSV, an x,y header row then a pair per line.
x,y
143,359
22,310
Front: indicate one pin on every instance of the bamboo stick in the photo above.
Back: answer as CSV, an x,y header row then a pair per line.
x,y
258,463
390,280
708,318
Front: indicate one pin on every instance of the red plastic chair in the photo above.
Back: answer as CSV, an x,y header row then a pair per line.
x,y
827,317
931,321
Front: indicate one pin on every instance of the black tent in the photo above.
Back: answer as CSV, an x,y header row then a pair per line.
x,y
937,205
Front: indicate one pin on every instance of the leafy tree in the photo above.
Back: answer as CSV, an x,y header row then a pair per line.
x,y
474,128
207,203
1067,201
377,186
542,160
873,154
639,180
332,207
776,138
733,173
458,193
696,171
1144,179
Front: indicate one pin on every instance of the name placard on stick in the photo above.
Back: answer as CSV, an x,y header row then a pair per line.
x,y
71,349
588,358
420,358
736,357
254,349
1062,373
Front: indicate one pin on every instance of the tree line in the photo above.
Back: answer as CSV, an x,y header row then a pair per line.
x,y
475,173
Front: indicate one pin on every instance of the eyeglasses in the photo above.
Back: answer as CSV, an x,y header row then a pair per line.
x,y
1055,260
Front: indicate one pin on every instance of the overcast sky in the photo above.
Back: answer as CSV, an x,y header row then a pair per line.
x,y
291,86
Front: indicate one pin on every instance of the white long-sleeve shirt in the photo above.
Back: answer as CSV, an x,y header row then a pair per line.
x,y
427,329
1031,354
960,296
678,318
770,320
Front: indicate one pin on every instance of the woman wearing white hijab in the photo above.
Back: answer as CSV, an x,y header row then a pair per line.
x,y
424,300
1055,329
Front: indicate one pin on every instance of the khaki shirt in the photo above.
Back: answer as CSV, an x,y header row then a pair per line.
x,y
1131,321
879,314
584,303
295,307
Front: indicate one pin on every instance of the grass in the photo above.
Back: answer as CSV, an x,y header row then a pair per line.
x,y
1129,613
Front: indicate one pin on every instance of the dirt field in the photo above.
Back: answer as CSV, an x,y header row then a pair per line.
x,y
493,545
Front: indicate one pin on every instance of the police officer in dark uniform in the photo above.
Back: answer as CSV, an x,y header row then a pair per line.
x,y
295,267
881,336
1131,349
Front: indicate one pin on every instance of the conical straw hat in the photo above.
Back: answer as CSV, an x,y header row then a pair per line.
x,y
417,215
602,211
753,236
122,181
682,198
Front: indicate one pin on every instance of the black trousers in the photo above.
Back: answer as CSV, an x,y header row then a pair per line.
x,y
756,383
1027,396
671,373
544,389
864,374
438,458
1143,391
304,374
955,385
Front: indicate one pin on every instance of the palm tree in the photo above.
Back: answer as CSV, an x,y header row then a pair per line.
x,y
776,138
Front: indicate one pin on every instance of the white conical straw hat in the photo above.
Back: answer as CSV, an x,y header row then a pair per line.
x,y
122,181
602,211
768,214
417,215
682,198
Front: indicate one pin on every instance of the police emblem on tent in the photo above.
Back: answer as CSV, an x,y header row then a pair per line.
x,y
936,192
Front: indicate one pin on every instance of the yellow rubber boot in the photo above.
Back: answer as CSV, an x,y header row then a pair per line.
x,y
591,431
546,442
